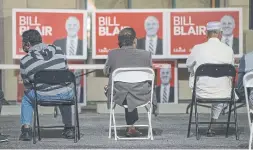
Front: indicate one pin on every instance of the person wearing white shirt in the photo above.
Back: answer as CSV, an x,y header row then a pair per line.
x,y
165,92
71,45
228,26
151,42
212,51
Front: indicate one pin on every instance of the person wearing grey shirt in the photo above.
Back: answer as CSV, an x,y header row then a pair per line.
x,y
245,66
131,94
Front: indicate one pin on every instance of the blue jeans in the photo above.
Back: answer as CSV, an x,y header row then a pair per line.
x,y
27,106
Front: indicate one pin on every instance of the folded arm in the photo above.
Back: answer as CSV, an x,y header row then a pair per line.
x,y
151,62
106,69
241,73
26,81
191,60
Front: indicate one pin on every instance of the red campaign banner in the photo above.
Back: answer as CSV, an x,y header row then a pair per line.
x,y
188,28
108,25
166,81
59,27
80,83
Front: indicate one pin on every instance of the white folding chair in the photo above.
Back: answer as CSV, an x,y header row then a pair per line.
x,y
248,83
132,75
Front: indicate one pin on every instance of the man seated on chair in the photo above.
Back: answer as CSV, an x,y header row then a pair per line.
x,y
41,56
245,66
130,94
213,52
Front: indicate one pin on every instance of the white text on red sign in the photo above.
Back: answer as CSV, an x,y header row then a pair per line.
x,y
32,22
184,26
108,26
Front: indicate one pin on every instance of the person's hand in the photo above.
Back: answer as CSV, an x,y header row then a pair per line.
x,y
191,68
155,110
106,90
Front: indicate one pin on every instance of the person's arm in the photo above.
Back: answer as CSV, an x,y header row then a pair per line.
x,y
106,69
57,48
66,62
233,57
151,62
26,81
241,73
191,60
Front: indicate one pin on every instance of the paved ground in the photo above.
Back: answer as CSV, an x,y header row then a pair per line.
x,y
170,132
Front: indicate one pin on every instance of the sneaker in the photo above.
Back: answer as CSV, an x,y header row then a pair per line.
x,y
68,133
3,138
132,132
26,134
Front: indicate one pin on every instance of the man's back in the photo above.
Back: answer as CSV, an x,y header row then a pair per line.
x,y
214,52
41,57
128,57
135,93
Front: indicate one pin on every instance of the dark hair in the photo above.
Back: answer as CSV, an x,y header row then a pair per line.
x,y
32,36
126,37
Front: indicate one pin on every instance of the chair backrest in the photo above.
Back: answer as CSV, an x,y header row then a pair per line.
x,y
248,83
248,80
216,70
133,75
54,77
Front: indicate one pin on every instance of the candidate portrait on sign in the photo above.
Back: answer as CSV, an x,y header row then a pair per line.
x,y
151,42
228,26
165,91
71,45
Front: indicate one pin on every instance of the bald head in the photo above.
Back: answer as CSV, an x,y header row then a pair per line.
x,y
72,26
151,26
228,25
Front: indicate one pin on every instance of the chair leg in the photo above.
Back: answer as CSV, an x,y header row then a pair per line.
x,y
38,122
251,134
75,125
149,135
110,124
34,124
55,112
236,122
190,120
187,108
114,124
150,125
196,120
229,115
78,125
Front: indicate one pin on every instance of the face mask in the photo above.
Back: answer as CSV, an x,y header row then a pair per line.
x,y
25,47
